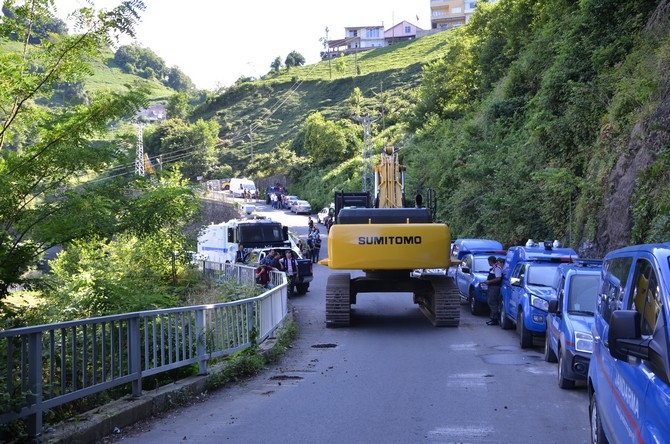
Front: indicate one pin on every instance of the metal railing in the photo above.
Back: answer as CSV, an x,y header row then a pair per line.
x,y
50,365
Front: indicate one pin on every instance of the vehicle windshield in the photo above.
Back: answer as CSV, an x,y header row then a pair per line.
x,y
542,275
480,265
583,293
261,233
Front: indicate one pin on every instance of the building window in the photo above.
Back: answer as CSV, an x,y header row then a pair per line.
x,y
372,33
408,29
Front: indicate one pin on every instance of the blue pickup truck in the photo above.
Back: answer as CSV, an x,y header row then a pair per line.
x,y
568,339
629,375
528,276
473,269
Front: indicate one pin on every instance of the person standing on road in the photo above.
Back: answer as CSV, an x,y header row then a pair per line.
x,y
290,267
316,242
494,281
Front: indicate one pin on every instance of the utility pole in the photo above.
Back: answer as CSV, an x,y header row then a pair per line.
x,y
251,141
330,69
368,174
139,152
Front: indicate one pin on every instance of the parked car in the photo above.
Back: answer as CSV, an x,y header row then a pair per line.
x,y
301,206
474,269
289,201
528,276
322,216
629,375
568,339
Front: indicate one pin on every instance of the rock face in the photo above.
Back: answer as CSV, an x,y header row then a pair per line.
x,y
647,140
213,212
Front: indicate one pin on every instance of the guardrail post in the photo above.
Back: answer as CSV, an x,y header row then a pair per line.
x,y
135,355
35,383
201,341
250,322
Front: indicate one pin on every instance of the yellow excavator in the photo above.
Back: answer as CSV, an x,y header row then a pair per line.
x,y
394,245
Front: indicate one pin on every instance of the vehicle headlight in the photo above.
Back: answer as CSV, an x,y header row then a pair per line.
x,y
583,342
538,302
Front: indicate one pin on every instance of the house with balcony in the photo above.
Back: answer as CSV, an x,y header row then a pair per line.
x,y
356,39
447,14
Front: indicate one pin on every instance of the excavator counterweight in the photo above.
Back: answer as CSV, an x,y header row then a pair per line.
x,y
391,244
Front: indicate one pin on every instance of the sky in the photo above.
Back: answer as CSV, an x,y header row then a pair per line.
x,y
215,42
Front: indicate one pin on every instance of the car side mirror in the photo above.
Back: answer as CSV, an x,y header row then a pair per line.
x,y
465,270
515,282
625,337
553,307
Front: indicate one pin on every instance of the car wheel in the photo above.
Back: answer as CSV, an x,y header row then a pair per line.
x,y
549,354
301,288
504,322
563,382
597,434
525,335
475,305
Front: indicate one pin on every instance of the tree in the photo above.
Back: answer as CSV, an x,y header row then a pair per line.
x,y
326,142
192,147
177,80
276,65
294,59
143,62
131,272
341,65
178,106
355,102
46,154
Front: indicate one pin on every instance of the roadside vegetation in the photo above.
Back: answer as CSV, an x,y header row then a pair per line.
x,y
544,120
524,122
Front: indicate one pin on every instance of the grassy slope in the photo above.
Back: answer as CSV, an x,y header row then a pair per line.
x,y
106,76
277,104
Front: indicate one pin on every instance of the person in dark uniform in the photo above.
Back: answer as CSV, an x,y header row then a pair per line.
x,y
494,281
239,255
290,266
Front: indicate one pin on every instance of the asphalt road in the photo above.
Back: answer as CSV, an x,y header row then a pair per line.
x,y
389,378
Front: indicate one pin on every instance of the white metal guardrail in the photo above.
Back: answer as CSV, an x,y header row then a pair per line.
x,y
50,365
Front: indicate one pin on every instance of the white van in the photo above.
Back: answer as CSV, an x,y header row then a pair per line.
x,y
238,186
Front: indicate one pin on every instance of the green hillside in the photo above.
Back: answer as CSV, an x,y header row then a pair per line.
x,y
543,120
276,106
106,75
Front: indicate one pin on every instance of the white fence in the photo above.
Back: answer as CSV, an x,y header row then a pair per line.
x,y
50,365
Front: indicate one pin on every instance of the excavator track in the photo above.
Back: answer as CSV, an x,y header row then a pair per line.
x,y
338,300
443,306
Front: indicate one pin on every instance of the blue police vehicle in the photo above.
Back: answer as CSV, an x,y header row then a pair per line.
x,y
629,374
568,338
473,269
528,276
